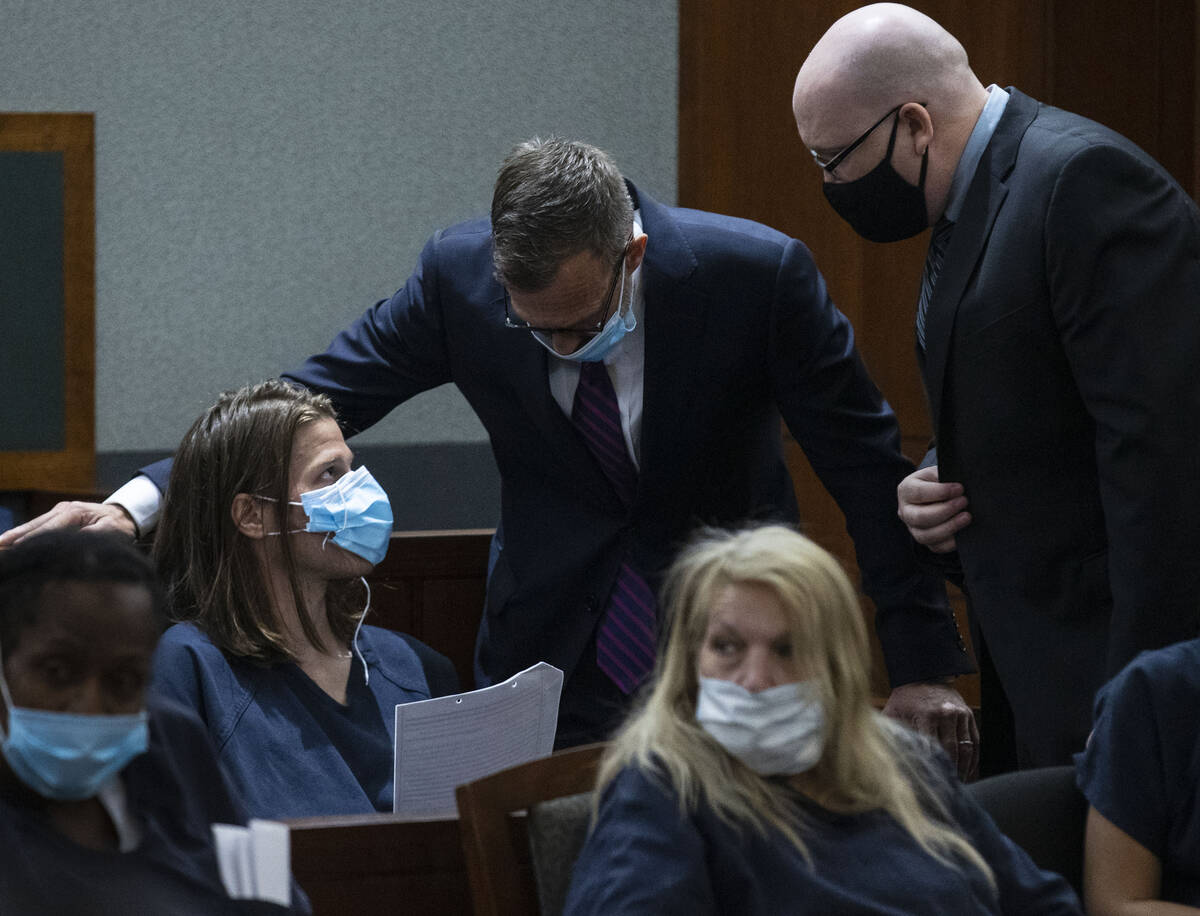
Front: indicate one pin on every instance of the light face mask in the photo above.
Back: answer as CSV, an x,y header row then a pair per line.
x,y
67,756
881,206
620,323
355,510
775,731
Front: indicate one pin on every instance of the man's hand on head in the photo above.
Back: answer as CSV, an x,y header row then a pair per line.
x,y
92,516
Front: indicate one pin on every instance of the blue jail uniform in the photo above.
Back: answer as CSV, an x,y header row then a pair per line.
x,y
175,792
1141,768
289,748
645,856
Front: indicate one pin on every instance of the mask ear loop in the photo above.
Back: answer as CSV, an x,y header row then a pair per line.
x,y
634,282
354,642
621,296
272,499
8,703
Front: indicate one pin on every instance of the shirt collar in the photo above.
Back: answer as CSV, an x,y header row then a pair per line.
x,y
968,162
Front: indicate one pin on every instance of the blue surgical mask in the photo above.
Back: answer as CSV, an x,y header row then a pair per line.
x,y
620,323
67,756
354,509
774,731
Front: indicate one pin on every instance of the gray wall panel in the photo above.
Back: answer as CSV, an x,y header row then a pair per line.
x,y
31,302
266,170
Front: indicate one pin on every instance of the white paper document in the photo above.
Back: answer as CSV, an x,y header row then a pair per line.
x,y
444,742
255,861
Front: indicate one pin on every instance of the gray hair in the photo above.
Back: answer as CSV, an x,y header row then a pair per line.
x,y
555,198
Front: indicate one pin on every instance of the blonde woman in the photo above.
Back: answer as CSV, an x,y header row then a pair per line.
x,y
756,778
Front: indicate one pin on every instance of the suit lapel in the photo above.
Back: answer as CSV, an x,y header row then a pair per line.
x,y
674,322
983,201
675,319
528,369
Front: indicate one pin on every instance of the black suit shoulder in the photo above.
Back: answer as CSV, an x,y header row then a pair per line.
x,y
1056,142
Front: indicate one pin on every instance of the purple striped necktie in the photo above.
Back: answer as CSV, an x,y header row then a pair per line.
x,y
625,640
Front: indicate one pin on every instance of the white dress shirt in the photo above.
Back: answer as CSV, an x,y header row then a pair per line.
x,y
626,364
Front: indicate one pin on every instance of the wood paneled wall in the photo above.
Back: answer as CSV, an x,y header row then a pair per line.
x,y
431,585
1130,65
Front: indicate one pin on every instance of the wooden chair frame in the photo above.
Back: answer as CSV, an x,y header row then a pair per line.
x,y
495,844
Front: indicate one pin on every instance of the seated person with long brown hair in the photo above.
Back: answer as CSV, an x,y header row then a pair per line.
x,y
756,778
107,797
264,537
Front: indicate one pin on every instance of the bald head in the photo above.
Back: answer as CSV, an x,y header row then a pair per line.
x,y
883,59
877,57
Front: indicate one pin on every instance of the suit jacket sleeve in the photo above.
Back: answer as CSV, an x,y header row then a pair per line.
x,y
395,350
1124,273
159,472
850,436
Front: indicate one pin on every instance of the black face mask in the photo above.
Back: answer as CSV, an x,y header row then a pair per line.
x,y
881,206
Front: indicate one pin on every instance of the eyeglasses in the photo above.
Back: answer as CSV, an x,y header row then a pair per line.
x,y
589,329
838,158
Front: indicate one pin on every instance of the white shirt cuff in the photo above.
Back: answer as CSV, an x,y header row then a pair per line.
x,y
142,500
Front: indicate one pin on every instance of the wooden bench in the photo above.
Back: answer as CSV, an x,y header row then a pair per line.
x,y
377,864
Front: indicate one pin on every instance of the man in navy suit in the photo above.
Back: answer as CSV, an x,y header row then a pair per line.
x,y
1058,333
704,330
